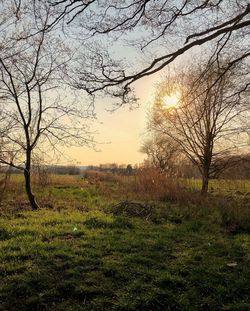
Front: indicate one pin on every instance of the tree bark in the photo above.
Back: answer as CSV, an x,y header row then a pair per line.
x,y
205,180
27,175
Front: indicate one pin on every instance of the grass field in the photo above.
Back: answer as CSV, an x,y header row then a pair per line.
x,y
82,251
223,185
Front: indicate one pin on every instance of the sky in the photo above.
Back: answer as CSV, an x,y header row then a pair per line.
x,y
120,133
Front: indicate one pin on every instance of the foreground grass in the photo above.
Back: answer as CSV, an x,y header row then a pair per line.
x,y
72,260
80,252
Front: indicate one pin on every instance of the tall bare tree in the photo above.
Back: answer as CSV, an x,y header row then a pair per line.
x,y
211,120
37,108
160,32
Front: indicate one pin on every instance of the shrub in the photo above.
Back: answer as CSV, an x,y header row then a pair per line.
x,y
42,177
4,181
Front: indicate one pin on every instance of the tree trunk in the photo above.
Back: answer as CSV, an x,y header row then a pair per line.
x,y
31,197
205,180
206,164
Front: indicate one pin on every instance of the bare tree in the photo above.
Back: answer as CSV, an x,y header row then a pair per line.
x,y
161,151
37,108
209,121
160,31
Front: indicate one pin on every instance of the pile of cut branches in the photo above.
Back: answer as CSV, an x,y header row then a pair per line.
x,y
132,209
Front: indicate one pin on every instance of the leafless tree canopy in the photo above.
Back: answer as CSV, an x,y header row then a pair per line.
x,y
162,152
48,46
211,121
161,31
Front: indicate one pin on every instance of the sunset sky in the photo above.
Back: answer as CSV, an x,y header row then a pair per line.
x,y
120,133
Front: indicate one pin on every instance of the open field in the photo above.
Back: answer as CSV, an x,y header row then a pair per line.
x,y
84,251
223,185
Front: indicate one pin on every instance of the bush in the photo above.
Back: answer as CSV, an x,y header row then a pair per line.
x,y
42,177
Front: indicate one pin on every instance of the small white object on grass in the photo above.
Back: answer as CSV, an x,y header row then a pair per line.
x,y
232,264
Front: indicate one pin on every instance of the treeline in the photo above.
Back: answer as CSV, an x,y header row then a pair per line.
x,y
234,167
50,169
114,168
239,168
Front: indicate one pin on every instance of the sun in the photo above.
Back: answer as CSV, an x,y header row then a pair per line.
x,y
172,100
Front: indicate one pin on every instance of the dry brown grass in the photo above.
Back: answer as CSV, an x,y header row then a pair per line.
x,y
65,180
152,184
97,176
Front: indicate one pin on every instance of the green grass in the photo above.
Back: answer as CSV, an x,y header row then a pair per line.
x,y
96,261
84,253
221,185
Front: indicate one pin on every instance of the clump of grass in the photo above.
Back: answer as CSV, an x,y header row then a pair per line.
x,y
235,218
4,234
97,222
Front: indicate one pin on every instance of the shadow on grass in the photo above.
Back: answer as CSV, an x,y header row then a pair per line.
x,y
97,261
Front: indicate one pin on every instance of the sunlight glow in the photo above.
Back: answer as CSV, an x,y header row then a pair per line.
x,y
172,100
